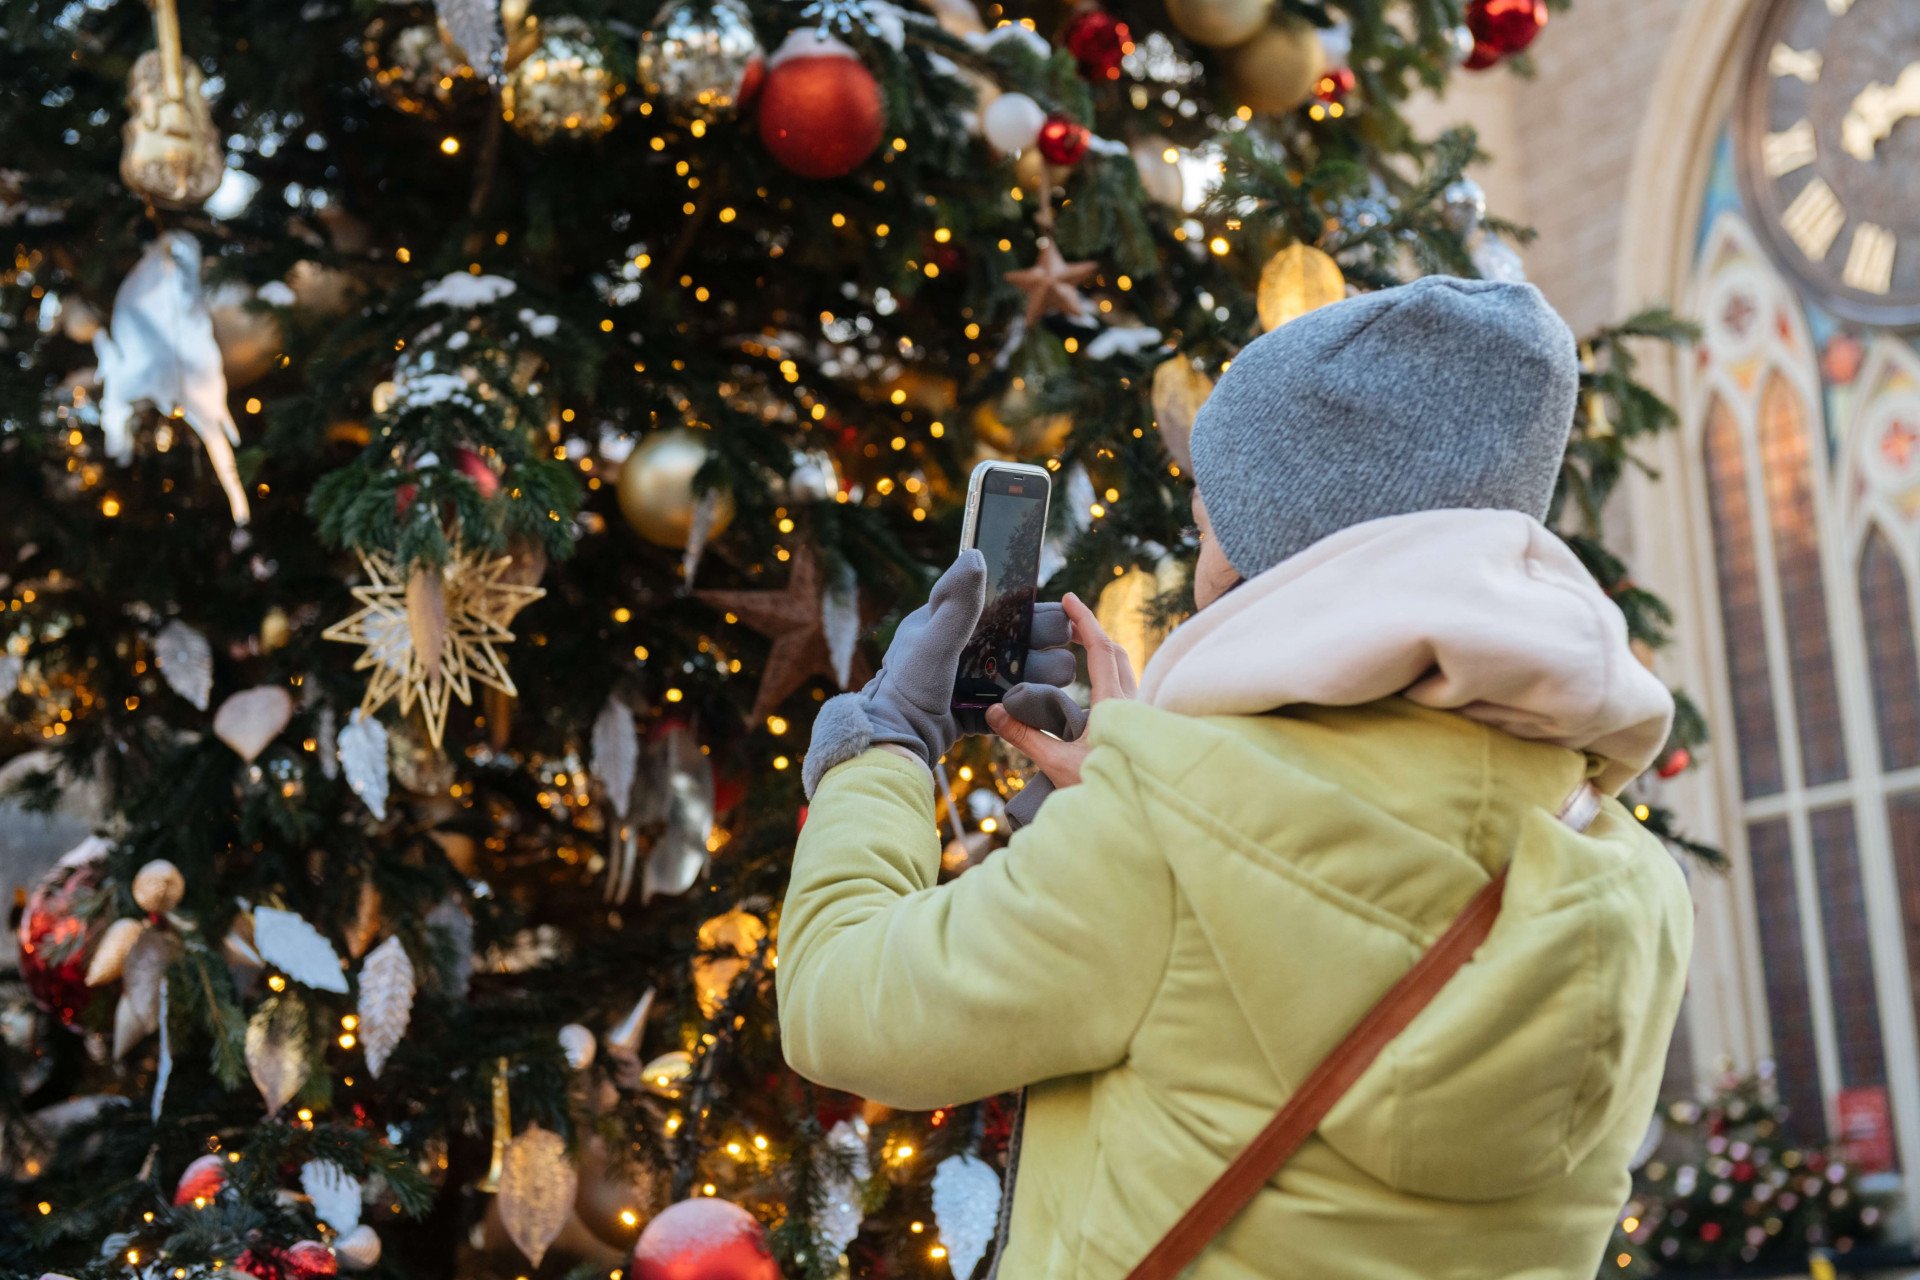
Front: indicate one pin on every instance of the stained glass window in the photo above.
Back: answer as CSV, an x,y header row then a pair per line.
x,y
1755,728
1803,599
1770,849
1887,619
1903,816
1843,919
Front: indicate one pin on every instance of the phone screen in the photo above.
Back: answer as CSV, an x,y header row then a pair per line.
x,y
1009,530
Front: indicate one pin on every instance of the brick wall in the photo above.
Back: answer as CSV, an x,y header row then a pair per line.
x,y
1563,142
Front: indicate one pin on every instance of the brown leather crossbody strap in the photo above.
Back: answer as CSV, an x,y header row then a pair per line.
x,y
1316,1096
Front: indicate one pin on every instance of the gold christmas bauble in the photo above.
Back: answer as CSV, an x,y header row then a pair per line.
x,y
158,887
564,87
727,942
656,488
1296,280
1219,24
1276,70
249,338
1158,161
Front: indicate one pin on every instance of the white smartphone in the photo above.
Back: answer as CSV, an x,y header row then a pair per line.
x,y
1006,518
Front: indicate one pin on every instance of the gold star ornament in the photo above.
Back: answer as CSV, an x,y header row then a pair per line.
x,y
1051,284
430,636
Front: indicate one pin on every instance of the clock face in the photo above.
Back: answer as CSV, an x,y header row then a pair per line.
x,y
1828,135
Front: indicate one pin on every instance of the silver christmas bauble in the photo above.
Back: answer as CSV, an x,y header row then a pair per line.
x,y
564,88
701,62
1464,204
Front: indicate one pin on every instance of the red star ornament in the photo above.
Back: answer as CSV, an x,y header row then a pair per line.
x,y
792,618
1050,285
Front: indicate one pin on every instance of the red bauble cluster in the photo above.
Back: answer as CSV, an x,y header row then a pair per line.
x,y
1064,140
54,941
471,465
307,1260
821,114
704,1239
1336,85
1098,41
1502,27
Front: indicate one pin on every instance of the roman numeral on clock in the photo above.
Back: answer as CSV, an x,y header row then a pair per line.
x,y
1870,260
1789,149
1814,219
1785,60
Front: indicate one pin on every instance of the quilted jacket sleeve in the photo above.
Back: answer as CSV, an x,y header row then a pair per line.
x,y
1038,963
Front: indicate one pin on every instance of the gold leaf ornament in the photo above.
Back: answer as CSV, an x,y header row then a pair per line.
x,y
727,944
1179,390
1296,280
110,953
478,599
537,1186
277,1051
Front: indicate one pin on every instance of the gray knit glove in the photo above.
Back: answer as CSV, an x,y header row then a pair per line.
x,y
909,704
1048,708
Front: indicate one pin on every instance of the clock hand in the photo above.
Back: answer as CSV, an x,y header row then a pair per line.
x,y
1876,109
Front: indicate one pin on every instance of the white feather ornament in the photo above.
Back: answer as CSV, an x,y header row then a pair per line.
x,y
137,1015
291,945
966,1207
578,1044
386,1002
185,660
363,754
616,754
841,1178
335,1194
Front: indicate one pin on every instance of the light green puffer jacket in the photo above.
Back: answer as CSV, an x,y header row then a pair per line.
x,y
1177,941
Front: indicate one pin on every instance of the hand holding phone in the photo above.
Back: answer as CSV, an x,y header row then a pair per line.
x,y
1006,520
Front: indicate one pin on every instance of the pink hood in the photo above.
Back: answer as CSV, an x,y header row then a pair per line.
x,y
1486,613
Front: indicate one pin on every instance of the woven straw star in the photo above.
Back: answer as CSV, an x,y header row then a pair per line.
x,y
468,614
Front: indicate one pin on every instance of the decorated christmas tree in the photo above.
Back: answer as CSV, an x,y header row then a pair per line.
x,y
445,459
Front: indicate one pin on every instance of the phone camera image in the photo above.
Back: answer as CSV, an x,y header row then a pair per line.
x,y
1008,529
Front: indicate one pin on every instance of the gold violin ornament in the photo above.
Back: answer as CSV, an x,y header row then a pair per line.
x,y
171,154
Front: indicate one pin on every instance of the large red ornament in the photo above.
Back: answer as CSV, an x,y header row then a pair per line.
x,y
311,1260
1063,140
201,1181
1098,41
54,942
1502,27
821,114
704,1239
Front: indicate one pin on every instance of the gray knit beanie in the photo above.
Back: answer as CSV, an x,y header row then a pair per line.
x,y
1443,393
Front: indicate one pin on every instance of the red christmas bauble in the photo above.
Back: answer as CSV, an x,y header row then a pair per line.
x,y
1482,57
1676,762
1098,41
1335,85
1064,141
54,942
476,468
820,113
311,1260
1504,26
262,1263
202,1180
704,1239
